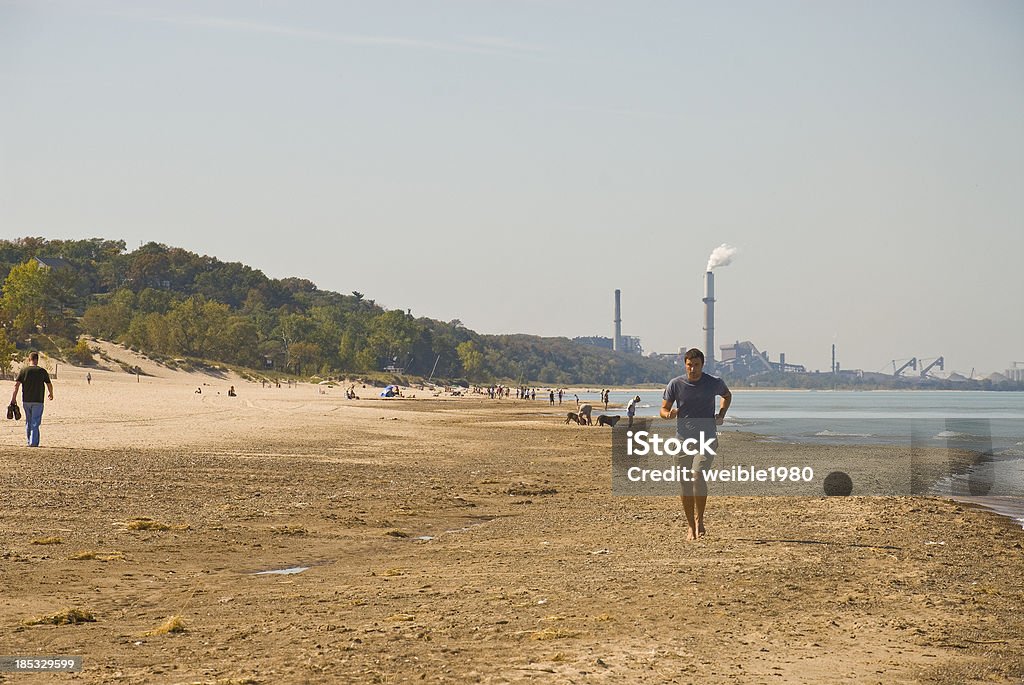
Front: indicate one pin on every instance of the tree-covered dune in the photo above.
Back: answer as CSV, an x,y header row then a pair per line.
x,y
172,303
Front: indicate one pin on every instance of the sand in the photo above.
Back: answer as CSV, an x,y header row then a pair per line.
x,y
458,540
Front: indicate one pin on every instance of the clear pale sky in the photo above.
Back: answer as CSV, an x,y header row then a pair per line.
x,y
510,164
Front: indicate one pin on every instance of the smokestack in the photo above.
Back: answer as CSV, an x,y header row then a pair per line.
x,y
720,256
617,340
709,321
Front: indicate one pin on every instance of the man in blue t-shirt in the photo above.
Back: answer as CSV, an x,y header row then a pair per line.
x,y
31,381
694,398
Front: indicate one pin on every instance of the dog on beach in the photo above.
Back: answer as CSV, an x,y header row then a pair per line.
x,y
572,417
605,420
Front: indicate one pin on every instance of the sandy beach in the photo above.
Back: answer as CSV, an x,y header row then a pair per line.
x,y
458,540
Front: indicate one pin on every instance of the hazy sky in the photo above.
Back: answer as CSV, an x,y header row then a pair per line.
x,y
511,163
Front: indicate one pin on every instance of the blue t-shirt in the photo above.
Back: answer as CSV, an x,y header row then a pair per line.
x,y
695,402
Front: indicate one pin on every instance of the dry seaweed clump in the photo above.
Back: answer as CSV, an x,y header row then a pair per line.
x,y
146,523
552,634
173,624
52,540
88,555
69,616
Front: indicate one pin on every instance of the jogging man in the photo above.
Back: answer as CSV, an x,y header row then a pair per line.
x,y
693,395
31,381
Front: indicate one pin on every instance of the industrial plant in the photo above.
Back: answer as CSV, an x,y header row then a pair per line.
x,y
618,342
743,359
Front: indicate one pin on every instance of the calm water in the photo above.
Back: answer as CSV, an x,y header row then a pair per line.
x,y
987,422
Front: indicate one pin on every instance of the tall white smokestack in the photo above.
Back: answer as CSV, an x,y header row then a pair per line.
x,y
720,256
617,340
709,321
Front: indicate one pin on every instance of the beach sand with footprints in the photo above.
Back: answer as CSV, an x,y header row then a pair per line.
x,y
456,540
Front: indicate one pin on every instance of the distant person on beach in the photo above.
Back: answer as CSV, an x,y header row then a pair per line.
x,y
199,391
31,380
231,392
631,409
693,395
88,378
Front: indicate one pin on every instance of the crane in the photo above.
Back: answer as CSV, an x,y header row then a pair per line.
x,y
939,362
912,363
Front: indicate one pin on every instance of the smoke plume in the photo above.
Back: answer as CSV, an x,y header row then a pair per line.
x,y
721,256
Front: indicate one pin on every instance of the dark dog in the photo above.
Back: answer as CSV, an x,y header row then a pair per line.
x,y
605,420
572,417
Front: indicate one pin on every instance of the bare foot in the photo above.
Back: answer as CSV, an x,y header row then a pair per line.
x,y
700,529
690,534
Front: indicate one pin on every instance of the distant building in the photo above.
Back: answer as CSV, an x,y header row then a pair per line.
x,y
743,359
596,341
672,357
53,263
630,344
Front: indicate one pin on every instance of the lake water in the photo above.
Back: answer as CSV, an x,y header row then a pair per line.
x,y
990,423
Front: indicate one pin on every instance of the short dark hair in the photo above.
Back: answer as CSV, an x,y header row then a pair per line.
x,y
34,356
694,353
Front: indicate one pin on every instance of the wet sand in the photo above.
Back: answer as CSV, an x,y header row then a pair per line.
x,y
460,540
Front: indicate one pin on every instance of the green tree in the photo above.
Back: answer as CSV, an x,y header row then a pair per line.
x,y
390,340
196,327
7,354
110,320
472,359
305,357
81,354
28,299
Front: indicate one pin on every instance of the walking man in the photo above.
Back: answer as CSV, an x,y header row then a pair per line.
x,y
31,381
693,395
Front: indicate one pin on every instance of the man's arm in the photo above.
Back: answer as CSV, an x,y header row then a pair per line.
x,y
723,408
49,388
667,410
14,395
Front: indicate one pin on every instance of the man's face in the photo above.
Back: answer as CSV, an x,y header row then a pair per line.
x,y
694,368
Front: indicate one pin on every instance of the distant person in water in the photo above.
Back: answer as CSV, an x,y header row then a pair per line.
x,y
690,400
